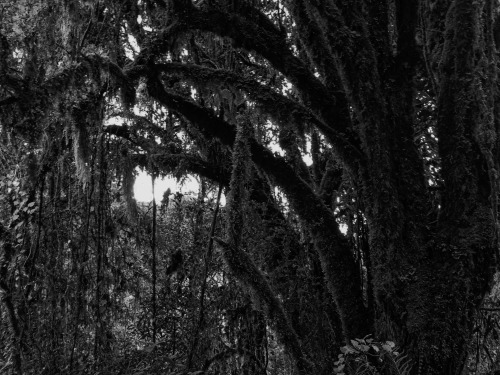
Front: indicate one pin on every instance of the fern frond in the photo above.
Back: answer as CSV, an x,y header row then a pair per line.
x,y
401,364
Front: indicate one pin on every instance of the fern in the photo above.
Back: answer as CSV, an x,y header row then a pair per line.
x,y
368,357
400,364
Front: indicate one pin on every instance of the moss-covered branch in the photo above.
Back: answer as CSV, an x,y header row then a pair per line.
x,y
175,163
314,35
167,159
282,109
330,105
240,262
338,265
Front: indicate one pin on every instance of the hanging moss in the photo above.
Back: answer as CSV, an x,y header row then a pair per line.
x,y
81,151
238,196
128,187
240,263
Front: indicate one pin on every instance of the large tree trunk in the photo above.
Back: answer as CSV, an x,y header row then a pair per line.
x,y
354,70
429,273
445,264
463,251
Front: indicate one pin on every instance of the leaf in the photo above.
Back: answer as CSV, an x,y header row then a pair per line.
x,y
387,347
356,345
347,349
226,94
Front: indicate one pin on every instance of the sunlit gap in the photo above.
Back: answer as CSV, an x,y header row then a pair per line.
x,y
189,185
143,186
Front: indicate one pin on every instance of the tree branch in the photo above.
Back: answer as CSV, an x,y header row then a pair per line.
x,y
336,257
313,33
282,109
269,43
168,163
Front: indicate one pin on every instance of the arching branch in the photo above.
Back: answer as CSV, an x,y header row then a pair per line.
x,y
240,261
168,163
330,106
336,257
313,34
279,107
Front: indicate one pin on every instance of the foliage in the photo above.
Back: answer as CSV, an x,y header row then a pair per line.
x,y
366,356
484,347
356,144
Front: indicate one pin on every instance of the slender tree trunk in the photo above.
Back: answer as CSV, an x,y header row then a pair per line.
x,y
204,281
153,262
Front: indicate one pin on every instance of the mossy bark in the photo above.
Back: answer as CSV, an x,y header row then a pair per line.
x,y
429,271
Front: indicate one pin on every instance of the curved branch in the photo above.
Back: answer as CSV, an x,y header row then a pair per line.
x,y
168,163
63,78
336,257
119,131
248,273
313,33
240,261
268,42
279,107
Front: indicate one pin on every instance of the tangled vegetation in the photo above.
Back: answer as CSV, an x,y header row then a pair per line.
x,y
356,144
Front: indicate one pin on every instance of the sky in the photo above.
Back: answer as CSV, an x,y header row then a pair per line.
x,y
143,187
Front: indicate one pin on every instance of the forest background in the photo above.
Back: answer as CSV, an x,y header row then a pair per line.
x,y
355,143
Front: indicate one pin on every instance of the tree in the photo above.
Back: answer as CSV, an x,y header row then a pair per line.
x,y
395,102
